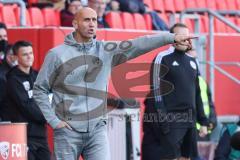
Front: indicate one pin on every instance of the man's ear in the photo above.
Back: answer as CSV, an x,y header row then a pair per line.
x,y
74,23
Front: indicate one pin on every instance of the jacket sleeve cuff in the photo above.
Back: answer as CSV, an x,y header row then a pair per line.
x,y
170,38
204,122
54,123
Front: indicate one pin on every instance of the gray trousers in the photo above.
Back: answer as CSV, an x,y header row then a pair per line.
x,y
70,145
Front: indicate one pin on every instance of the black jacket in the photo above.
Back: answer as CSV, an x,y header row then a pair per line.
x,y
182,72
4,68
20,105
224,148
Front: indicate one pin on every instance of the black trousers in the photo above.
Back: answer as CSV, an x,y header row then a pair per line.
x,y
38,149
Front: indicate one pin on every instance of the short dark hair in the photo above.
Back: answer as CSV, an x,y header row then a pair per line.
x,y
3,26
20,44
68,2
177,25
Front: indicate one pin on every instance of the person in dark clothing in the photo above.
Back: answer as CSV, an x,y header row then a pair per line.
x,y
157,22
235,141
67,15
175,106
3,40
99,6
20,104
208,104
224,150
132,6
8,62
113,5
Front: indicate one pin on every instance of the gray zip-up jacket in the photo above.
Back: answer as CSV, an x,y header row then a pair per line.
x,y
77,74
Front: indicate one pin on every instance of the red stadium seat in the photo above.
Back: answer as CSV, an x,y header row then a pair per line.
x,y
238,21
179,5
149,3
158,5
30,2
221,5
238,4
220,27
128,21
201,4
189,23
164,18
204,24
114,20
190,4
8,16
49,16
231,4
36,17
169,6
148,20
57,15
1,15
139,21
17,14
211,4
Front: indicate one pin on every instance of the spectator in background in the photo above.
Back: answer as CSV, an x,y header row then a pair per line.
x,y
113,5
71,8
157,22
132,6
3,40
20,104
7,59
99,6
137,6
56,4
8,62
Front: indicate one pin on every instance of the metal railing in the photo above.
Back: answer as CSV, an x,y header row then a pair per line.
x,y
22,9
212,14
222,70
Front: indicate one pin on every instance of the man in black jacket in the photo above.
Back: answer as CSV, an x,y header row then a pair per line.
x,y
20,104
170,116
7,60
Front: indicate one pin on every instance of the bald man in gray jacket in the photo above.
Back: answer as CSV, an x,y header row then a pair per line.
x,y
77,74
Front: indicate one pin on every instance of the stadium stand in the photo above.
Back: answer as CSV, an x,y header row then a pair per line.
x,y
17,14
36,17
139,21
128,21
8,16
49,17
158,5
179,5
148,20
114,20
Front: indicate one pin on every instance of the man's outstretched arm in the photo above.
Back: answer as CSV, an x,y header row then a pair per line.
x,y
135,47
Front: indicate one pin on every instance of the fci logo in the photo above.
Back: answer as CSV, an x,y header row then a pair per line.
x,y
4,149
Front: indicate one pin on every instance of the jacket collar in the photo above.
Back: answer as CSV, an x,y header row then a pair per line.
x,y
70,40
